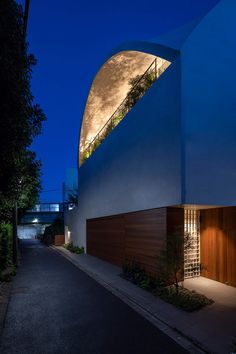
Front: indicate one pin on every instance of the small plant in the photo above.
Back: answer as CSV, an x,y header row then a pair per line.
x,y
75,249
138,86
134,272
185,299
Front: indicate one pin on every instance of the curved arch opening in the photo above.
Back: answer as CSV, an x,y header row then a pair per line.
x,y
120,82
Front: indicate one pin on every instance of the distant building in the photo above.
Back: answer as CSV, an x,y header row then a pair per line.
x,y
35,220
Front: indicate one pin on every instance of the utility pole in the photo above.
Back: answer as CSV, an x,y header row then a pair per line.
x,y
14,231
15,209
26,16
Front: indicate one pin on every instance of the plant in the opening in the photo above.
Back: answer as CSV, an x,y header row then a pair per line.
x,y
85,155
118,117
138,86
5,245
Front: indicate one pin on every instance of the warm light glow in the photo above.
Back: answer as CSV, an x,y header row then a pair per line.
x,y
110,88
192,255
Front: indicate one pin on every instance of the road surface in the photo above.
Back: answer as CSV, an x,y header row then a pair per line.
x,y
56,308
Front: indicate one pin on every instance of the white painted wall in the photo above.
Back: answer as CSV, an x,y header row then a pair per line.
x,y
71,225
209,109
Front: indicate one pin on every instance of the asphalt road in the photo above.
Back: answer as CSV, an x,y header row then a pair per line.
x,y
56,308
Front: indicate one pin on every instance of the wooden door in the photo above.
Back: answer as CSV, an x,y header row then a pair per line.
x,y
218,244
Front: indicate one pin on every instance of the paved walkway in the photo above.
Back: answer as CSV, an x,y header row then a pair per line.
x,y
212,328
57,308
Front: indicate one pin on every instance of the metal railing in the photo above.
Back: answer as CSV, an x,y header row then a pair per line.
x,y
142,84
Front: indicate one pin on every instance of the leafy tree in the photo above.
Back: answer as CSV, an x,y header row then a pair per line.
x,y
170,261
56,228
20,117
5,245
73,197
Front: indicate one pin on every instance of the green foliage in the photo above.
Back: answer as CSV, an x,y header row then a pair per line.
x,y
170,261
73,197
75,249
138,86
185,299
134,272
86,155
7,274
56,228
118,118
5,246
21,117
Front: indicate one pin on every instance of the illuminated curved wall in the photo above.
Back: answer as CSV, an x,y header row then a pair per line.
x,y
109,89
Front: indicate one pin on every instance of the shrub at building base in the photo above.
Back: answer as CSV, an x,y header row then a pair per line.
x,y
188,300
134,272
75,249
183,298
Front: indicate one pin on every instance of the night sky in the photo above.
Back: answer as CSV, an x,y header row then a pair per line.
x,y
71,40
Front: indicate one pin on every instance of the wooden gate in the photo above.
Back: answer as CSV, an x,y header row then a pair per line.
x,y
135,236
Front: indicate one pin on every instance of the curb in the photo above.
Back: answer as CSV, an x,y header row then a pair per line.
x,y
188,343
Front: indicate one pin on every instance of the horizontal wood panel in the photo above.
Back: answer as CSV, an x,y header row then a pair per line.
x,y
145,236
137,236
105,238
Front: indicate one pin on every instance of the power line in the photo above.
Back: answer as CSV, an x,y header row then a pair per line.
x,y
51,190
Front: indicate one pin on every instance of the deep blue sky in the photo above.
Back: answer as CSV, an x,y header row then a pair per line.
x,y
71,39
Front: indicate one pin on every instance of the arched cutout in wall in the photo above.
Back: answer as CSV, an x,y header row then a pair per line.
x,y
109,99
